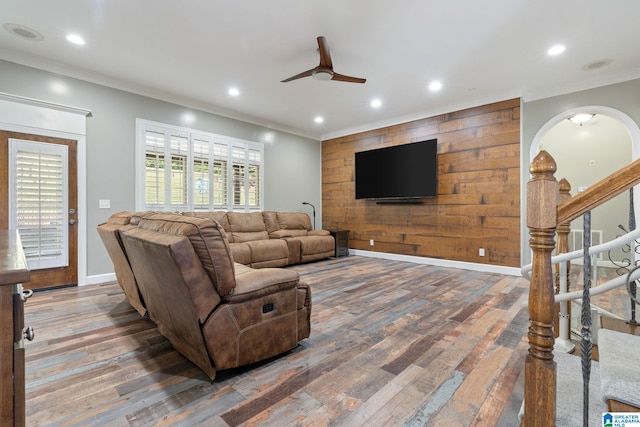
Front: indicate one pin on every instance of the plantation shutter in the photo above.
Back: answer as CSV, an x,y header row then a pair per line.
x,y
38,201
154,170
255,160
220,174
179,169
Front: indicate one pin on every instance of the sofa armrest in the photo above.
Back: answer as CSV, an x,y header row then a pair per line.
x,y
282,233
318,233
252,283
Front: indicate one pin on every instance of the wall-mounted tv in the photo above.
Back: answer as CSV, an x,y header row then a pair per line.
x,y
400,172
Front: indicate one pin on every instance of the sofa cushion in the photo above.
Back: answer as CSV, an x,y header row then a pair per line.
x,y
294,221
241,253
248,236
247,226
218,216
125,217
270,221
209,241
313,248
268,253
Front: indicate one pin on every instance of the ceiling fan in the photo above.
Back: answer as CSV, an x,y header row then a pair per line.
x,y
324,71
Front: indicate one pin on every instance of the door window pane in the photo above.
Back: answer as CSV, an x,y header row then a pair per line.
x,y
38,184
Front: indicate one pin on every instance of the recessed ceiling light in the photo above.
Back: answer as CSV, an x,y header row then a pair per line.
x,y
435,86
234,91
376,103
75,39
556,50
594,65
23,32
318,119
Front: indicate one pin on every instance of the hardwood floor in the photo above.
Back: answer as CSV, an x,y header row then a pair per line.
x,y
392,343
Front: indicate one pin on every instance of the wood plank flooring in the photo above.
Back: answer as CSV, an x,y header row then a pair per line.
x,y
392,343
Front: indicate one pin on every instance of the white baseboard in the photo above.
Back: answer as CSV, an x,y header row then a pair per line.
x,y
487,268
101,278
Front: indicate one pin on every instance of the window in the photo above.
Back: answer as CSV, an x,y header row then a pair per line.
x,y
186,170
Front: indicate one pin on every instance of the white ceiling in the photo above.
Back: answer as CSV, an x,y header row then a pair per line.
x,y
192,51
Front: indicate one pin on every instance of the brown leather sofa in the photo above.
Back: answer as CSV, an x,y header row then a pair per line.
x,y
272,239
218,313
258,240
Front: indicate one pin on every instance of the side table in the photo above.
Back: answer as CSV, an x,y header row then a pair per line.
x,y
341,238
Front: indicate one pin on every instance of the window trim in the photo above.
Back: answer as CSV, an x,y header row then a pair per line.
x,y
143,125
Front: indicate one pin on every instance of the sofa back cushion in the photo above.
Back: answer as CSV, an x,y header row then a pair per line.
x,y
247,226
125,217
209,241
270,221
293,221
218,216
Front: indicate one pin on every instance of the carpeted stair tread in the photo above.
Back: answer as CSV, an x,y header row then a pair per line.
x,y
569,392
619,366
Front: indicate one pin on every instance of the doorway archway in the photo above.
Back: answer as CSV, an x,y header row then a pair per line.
x,y
583,169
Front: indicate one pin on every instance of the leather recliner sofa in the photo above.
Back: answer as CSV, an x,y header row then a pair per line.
x,y
272,239
218,313
256,239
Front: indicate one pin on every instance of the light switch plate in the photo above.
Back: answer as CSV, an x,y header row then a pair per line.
x,y
105,204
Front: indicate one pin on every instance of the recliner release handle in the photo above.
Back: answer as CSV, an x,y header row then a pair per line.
x,y
267,308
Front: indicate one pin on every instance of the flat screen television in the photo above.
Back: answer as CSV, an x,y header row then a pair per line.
x,y
406,171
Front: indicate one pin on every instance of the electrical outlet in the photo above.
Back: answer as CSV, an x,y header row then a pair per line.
x,y
481,252
104,204
371,242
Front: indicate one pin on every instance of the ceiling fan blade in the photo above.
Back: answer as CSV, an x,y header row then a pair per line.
x,y
325,56
348,79
307,73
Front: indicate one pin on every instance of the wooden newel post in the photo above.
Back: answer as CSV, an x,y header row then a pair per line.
x,y
540,368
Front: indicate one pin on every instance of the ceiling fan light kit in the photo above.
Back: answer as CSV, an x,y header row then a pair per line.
x,y
322,75
324,71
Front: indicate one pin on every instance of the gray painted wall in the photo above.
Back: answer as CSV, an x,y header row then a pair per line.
x,y
623,97
585,155
292,163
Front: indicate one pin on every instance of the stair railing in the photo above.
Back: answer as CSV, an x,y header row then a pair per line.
x,y
544,215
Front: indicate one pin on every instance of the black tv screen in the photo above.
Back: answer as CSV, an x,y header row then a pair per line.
x,y
398,172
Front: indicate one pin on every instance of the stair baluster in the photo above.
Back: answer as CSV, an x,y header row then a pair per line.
x,y
585,343
632,286
562,325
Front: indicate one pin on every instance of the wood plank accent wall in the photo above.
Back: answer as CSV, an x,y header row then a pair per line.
x,y
478,202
